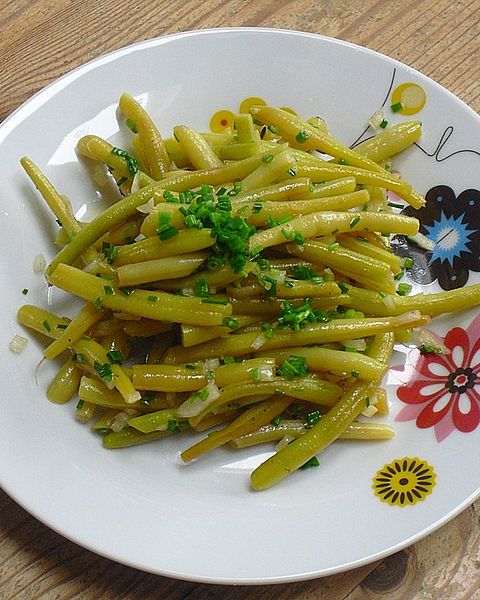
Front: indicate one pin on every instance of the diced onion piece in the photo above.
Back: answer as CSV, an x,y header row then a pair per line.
x,y
266,372
369,411
146,208
210,364
198,401
18,344
39,264
377,118
258,341
133,397
136,185
120,421
424,338
140,237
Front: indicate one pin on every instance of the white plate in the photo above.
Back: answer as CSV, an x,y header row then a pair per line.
x,y
139,506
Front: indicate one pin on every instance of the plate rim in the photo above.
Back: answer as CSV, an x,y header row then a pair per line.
x,y
28,107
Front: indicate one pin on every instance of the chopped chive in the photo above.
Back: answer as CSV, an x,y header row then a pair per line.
x,y
191,366
276,421
25,291
115,357
342,161
294,366
152,298
383,124
397,107
257,207
62,326
267,158
312,418
395,205
354,221
121,181
228,360
132,162
333,246
302,136
47,325
127,290
108,290
292,171
404,289
313,462
98,303
104,371
343,287
355,373
80,358
80,404
408,262
231,323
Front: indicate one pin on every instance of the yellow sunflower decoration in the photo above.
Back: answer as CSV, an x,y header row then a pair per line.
x,y
404,481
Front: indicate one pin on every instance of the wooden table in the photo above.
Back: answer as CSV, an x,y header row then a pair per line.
x,y
42,39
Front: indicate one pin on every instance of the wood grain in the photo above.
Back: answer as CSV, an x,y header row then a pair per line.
x,y
41,40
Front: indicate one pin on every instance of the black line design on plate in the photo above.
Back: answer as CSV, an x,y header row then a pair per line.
x,y
446,135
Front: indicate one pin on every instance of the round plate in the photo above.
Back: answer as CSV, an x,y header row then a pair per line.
x,y
203,522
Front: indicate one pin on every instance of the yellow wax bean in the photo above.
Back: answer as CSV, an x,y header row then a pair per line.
x,y
292,126
110,218
267,173
192,335
150,224
325,431
335,187
96,148
155,153
294,289
319,170
158,269
284,190
65,383
364,247
156,421
351,264
324,359
236,171
196,148
308,389
238,151
437,303
269,308
57,203
250,420
215,279
157,305
186,241
168,378
245,128
390,141
131,437
177,154
96,392
259,214
146,328
326,223
295,428
336,330
85,318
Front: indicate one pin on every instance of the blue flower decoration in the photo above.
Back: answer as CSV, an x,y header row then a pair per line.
x,y
453,224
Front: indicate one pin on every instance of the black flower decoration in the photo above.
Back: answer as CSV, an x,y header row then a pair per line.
x,y
453,224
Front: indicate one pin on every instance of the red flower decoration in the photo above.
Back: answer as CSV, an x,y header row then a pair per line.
x,y
443,390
